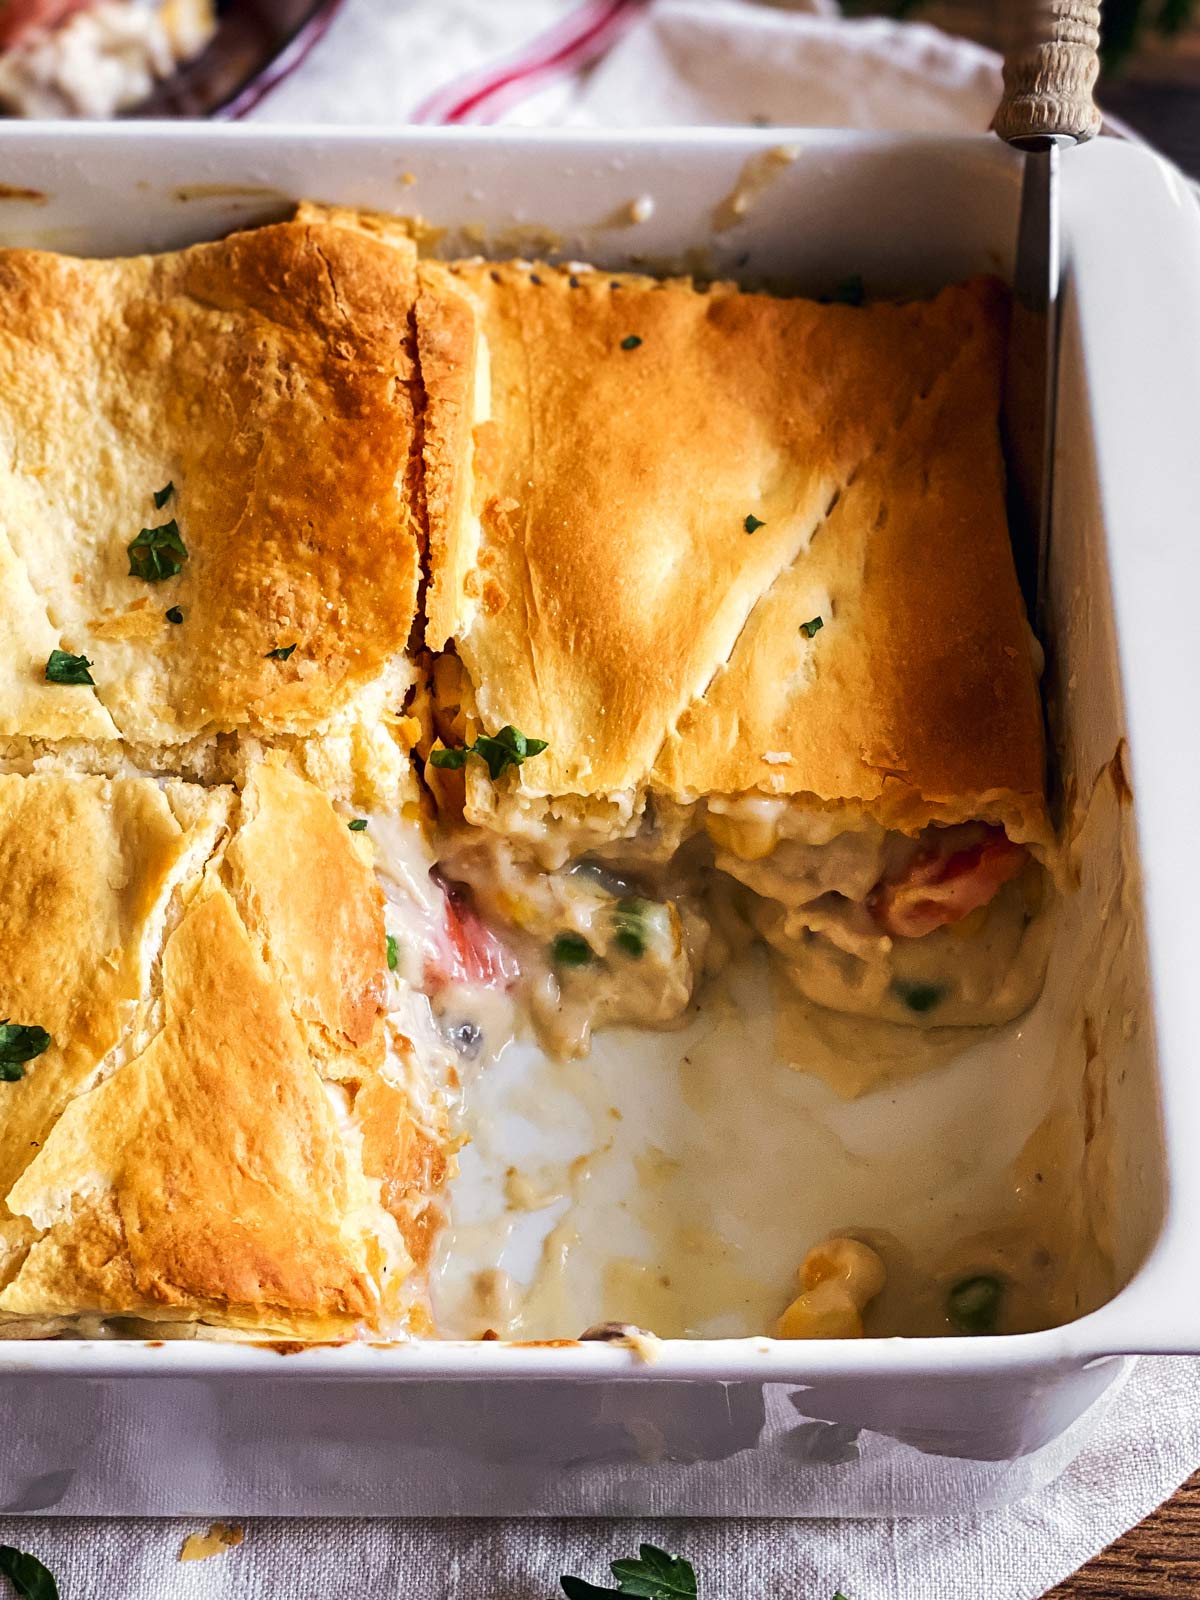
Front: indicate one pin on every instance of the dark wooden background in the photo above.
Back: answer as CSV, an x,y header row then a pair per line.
x,y
1157,1560
1157,93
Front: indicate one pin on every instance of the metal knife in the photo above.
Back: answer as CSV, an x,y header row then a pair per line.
x,y
1050,69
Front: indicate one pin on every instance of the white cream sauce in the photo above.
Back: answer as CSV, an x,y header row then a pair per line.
x,y
674,1180
695,1168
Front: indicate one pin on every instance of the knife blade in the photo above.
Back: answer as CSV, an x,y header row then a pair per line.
x,y
1031,372
1050,67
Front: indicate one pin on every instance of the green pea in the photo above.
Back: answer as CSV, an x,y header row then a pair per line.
x,y
630,923
919,997
571,950
973,1305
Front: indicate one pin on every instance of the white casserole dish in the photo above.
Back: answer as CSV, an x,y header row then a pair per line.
x,y
748,1426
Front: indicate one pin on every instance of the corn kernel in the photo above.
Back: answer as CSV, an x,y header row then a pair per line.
x,y
826,1312
848,1261
970,926
751,839
838,1279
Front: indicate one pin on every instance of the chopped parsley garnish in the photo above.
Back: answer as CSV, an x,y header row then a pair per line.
x,y
393,952
630,341
851,291
974,1304
174,614
752,523
652,1575
571,950
29,1578
630,921
508,748
281,652
919,997
358,825
157,553
19,1043
809,628
161,496
65,668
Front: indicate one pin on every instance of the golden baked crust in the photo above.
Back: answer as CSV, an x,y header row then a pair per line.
x,y
408,1161
305,889
619,608
88,869
193,948
270,379
455,376
185,1157
207,1177
28,704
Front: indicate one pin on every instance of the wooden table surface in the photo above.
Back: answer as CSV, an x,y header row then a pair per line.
x,y
1158,95
1157,1560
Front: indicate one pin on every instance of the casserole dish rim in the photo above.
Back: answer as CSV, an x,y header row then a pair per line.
x,y
1100,181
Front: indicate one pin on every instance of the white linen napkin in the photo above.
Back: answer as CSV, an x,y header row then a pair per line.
x,y
681,61
673,61
730,62
1149,1442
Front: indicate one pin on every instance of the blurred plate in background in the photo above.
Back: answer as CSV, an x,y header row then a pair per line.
x,y
256,45
150,58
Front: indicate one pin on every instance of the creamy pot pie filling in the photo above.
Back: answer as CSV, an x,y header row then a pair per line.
x,y
935,929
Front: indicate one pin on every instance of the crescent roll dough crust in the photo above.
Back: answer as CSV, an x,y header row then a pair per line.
x,y
672,486
191,1144
207,1177
88,868
707,545
268,378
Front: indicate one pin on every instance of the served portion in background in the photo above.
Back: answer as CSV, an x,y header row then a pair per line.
x,y
93,58
104,58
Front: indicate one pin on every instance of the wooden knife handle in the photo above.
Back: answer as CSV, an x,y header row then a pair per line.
x,y
1050,68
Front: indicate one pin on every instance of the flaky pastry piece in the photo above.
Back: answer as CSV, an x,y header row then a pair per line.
x,y
207,1176
606,593
91,871
222,1129
210,489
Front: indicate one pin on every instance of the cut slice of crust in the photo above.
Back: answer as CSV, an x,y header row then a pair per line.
x,y
305,889
229,1130
206,1178
669,484
269,380
90,869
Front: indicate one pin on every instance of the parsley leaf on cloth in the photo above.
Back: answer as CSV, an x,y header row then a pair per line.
x,y
651,1575
30,1579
